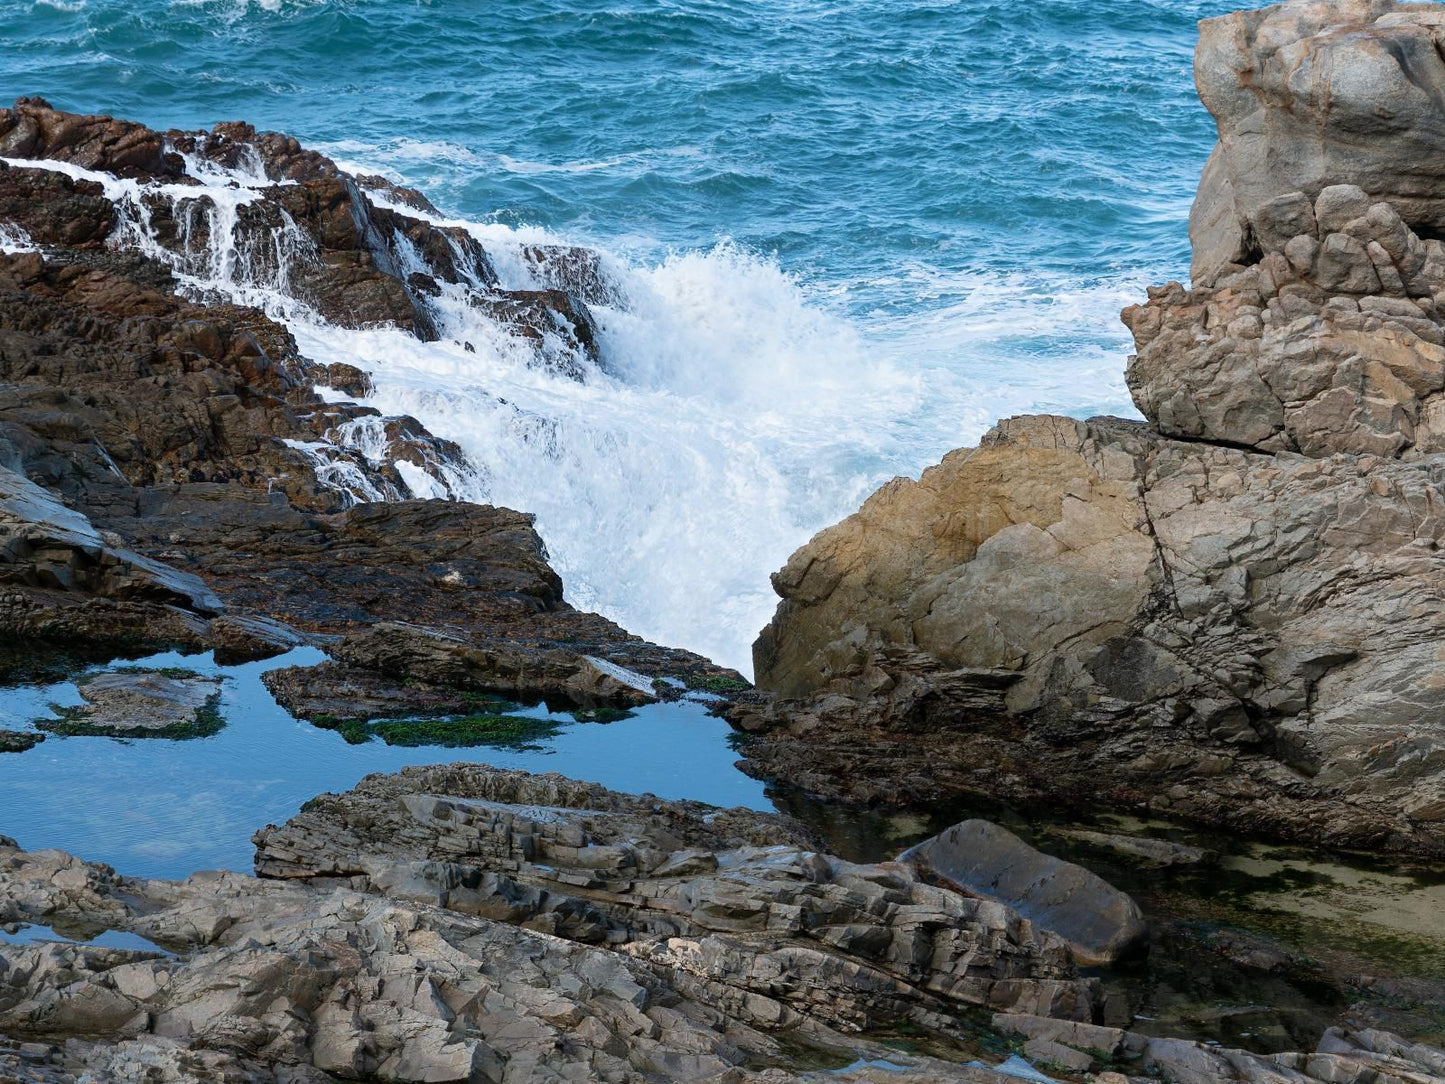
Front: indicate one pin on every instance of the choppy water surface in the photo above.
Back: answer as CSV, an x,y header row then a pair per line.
x,y
853,234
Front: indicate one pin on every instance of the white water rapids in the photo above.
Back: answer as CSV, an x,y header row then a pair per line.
x,y
736,414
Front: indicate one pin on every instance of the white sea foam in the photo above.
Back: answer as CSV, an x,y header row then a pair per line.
x,y
14,239
737,411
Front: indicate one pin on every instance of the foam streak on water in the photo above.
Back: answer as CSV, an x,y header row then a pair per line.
x,y
849,236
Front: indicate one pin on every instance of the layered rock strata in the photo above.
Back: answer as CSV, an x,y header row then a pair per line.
x,y
1232,612
467,924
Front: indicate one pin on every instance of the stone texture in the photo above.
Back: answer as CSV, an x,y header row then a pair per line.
x,y
393,964
142,704
420,970
1099,922
19,741
1311,94
1093,611
1313,324
738,898
360,251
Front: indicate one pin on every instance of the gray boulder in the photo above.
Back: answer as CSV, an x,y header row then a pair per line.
x,y
1099,922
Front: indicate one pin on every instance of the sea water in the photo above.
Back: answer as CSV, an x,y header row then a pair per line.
x,y
851,235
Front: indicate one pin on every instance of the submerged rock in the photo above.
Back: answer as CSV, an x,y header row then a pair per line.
x,y
1160,853
19,741
1099,922
142,704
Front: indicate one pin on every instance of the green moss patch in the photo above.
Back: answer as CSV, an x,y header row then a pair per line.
x,y
78,722
456,732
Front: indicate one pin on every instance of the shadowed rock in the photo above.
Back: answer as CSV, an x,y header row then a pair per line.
x,y
1099,922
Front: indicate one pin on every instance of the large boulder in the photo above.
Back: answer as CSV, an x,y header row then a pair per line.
x,y
1309,94
1091,609
1099,922
1313,322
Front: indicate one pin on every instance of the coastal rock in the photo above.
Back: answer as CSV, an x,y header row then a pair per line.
x,y
360,251
1236,626
32,129
579,272
18,741
1329,346
1309,94
1099,922
407,972
463,923
1344,1054
142,704
1237,638
737,898
45,544
1313,323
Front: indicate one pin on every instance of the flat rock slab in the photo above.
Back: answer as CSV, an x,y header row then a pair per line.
x,y
143,704
1099,922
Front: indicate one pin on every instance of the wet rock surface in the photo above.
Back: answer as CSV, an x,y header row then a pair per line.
x,y
464,923
1099,922
18,741
142,704
171,476
1216,626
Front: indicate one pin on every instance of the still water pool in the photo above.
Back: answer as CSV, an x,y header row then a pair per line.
x,y
154,807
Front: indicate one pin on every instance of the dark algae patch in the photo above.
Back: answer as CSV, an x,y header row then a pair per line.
x,y
465,731
455,733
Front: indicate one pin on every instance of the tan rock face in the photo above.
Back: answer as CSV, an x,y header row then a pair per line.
x,y
968,538
1247,638
1313,324
1242,625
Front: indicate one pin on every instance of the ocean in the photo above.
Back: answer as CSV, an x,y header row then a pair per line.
x,y
850,236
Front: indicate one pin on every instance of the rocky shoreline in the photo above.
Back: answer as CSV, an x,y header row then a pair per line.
x,y
1228,614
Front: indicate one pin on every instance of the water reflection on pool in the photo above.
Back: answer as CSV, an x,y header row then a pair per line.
x,y
160,808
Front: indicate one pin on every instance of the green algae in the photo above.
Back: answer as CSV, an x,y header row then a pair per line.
x,y
454,732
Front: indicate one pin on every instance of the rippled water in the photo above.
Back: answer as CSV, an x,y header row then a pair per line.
x,y
855,233
153,807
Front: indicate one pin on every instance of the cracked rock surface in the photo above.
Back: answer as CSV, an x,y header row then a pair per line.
x,y
462,923
1093,609
1231,613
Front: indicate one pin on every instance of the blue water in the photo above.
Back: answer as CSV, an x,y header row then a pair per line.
x,y
153,807
861,232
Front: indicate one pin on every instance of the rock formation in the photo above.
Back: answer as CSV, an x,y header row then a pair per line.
x,y
170,474
1241,626
467,924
